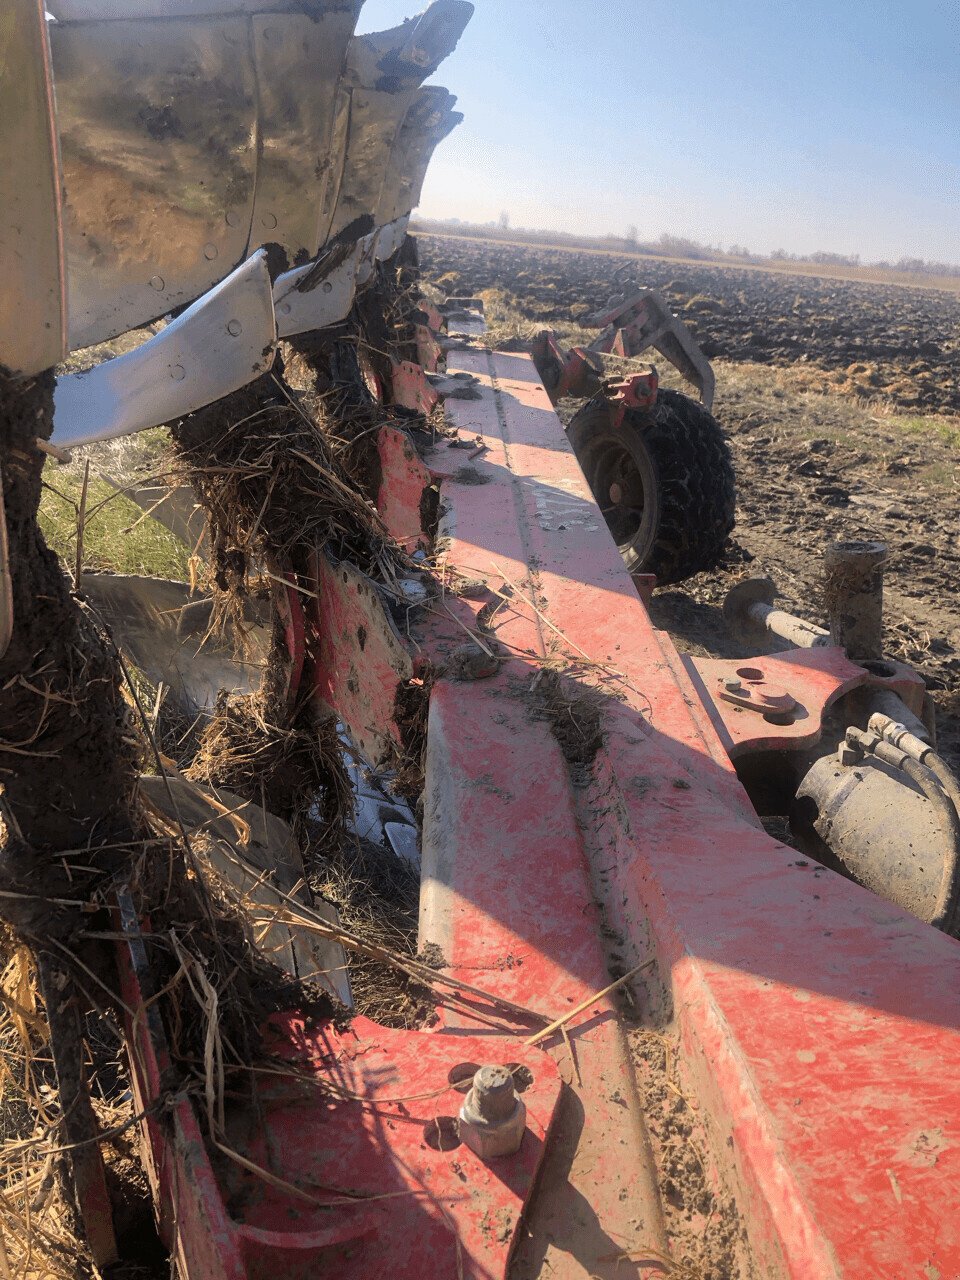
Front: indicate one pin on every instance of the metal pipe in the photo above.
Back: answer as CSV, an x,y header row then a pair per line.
x,y
748,609
853,596
795,631
885,705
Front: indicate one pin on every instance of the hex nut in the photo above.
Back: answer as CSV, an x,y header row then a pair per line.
x,y
493,1118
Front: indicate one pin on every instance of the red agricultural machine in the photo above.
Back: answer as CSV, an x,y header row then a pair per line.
x,y
633,988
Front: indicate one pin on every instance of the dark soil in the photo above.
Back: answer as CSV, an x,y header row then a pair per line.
x,y
879,339
60,696
707,1239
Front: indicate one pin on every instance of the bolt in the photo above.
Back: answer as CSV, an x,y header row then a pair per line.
x,y
492,1118
847,755
732,685
493,1094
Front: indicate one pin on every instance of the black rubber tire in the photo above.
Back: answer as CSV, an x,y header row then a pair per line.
x,y
675,458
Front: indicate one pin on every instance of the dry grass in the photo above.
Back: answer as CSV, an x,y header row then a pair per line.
x,y
377,896
291,769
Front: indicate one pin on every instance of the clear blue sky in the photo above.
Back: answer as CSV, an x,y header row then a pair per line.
x,y
795,124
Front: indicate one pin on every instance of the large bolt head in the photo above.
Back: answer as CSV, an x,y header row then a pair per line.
x,y
492,1118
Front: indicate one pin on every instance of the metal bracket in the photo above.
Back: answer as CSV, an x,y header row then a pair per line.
x,y
224,341
636,393
644,320
411,388
318,295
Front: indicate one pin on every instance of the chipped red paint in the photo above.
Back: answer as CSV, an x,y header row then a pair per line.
x,y
411,389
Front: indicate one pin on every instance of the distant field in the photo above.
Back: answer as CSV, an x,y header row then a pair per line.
x,y
873,341
867,274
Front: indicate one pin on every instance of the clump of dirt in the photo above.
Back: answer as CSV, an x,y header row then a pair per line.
x,y
60,696
573,711
707,1238
410,712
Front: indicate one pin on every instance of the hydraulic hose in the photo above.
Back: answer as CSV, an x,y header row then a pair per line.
x,y
946,914
920,751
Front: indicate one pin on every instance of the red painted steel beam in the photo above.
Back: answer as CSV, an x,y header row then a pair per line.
x,y
815,1019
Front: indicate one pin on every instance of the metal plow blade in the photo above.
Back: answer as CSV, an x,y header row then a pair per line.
x,y
225,340
165,632
189,141
32,289
383,74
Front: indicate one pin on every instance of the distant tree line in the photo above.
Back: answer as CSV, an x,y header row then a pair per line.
x,y
670,246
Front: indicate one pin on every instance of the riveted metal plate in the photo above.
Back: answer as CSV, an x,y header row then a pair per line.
x,y
318,295
299,60
157,129
32,298
225,340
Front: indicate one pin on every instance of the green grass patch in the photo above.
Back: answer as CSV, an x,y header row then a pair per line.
x,y
948,429
113,539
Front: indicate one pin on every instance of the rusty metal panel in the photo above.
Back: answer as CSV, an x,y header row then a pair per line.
x,y
32,287
440,123
299,60
158,135
384,72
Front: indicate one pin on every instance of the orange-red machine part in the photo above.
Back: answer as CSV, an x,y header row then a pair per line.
x,y
815,1022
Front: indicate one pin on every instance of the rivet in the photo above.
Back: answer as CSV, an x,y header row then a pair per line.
x,y
210,251
269,220
233,219
327,287
235,328
156,282
285,308
177,372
